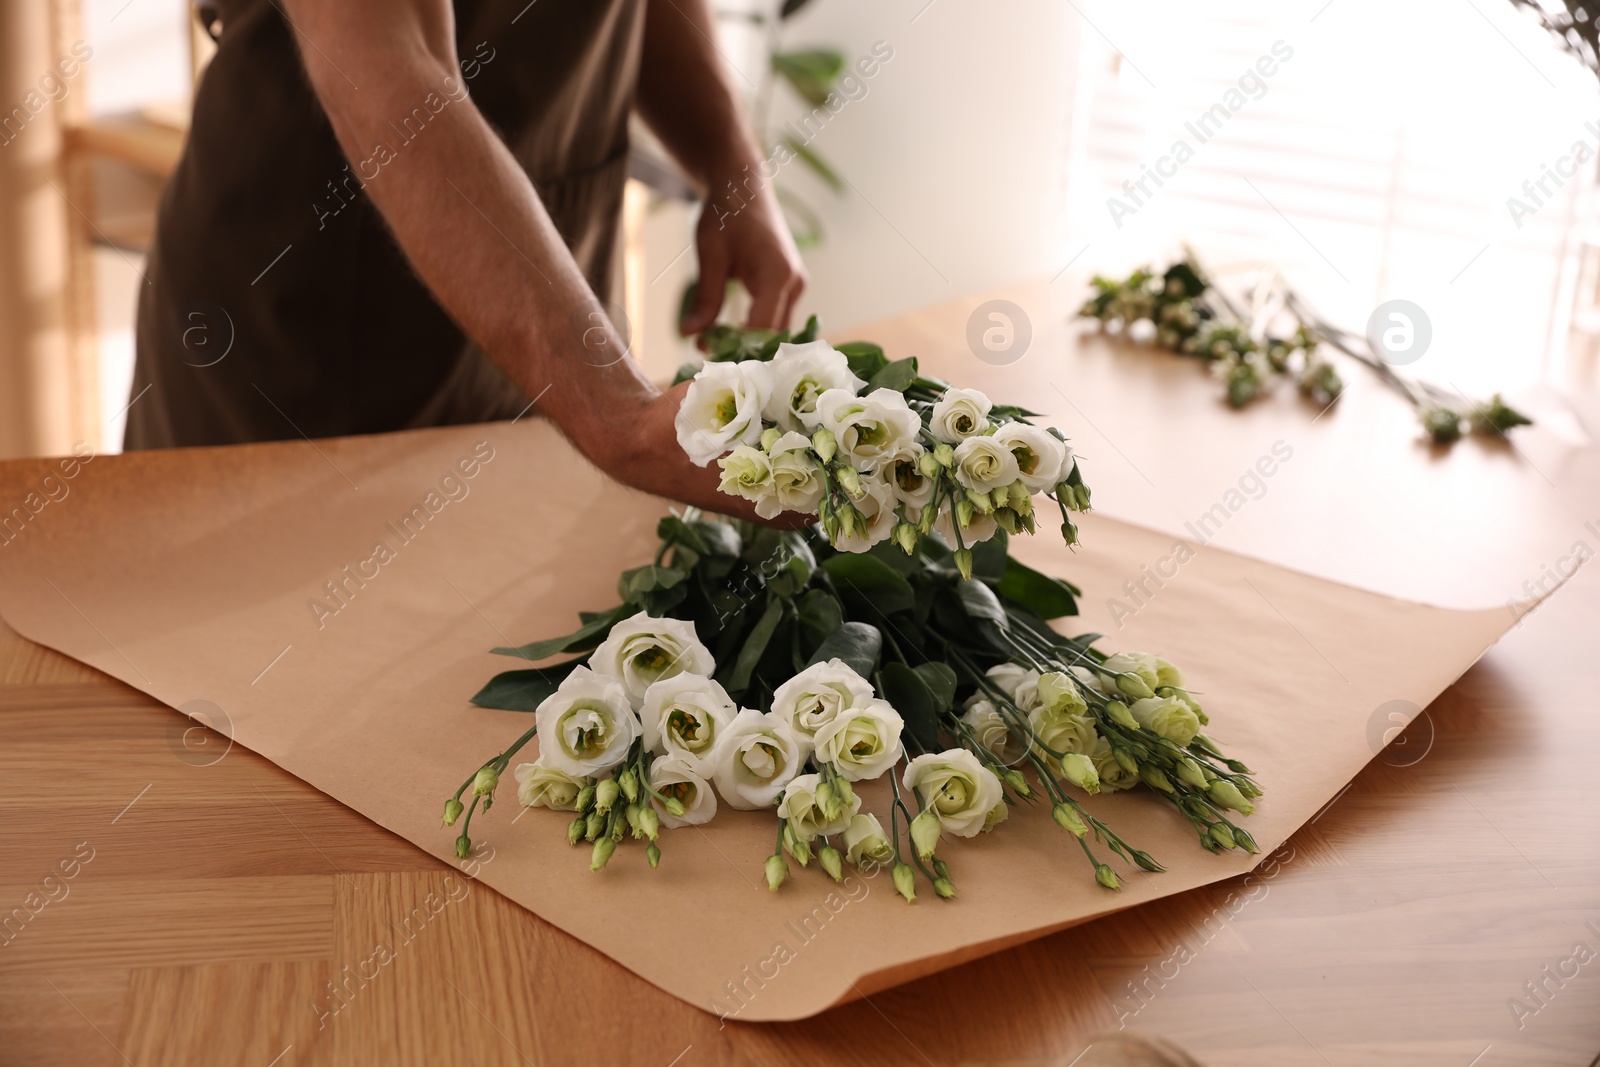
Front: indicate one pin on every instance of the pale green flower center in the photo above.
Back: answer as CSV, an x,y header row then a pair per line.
x,y
952,797
687,729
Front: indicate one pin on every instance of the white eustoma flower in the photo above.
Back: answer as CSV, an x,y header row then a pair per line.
x,y
911,487
863,742
540,785
799,374
747,472
984,464
796,477
818,695
1038,454
979,529
682,716
877,506
955,787
959,414
642,650
678,779
992,730
587,725
757,756
1153,669
799,806
1062,730
1019,683
722,408
866,843
868,428
1171,717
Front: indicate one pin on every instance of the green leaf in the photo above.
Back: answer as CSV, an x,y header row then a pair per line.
x,y
871,582
1011,411
811,71
674,531
980,603
523,690
819,614
989,557
686,373
737,678
941,682
634,584
856,643
897,375
583,639
808,333
906,690
822,167
1046,597
719,538
790,7
865,358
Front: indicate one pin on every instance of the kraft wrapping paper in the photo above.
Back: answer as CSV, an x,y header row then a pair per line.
x,y
205,576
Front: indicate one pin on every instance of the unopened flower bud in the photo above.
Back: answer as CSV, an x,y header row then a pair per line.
x,y
484,781
452,811
925,831
777,870
1227,794
944,888
1017,782
1018,497
652,853
1066,817
769,437
905,881
798,847
1134,686
945,454
629,781
928,465
463,846
1220,833
674,807
1069,533
1125,760
1154,777
585,798
847,521
963,509
631,817
601,856
1190,773
849,480
824,444
930,515
1001,497
1079,770
1243,839
995,816
1007,520
605,795
832,862
981,502
964,562
592,827
649,822
1121,715
1106,877
575,830
905,535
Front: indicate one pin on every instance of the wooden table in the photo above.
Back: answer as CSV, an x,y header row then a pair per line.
x,y
213,898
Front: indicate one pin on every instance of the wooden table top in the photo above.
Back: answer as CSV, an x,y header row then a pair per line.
x,y
168,897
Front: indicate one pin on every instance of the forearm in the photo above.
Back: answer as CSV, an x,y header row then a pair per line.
x,y
468,219
687,99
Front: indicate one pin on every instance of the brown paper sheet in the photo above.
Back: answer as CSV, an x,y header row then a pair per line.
x,y
193,576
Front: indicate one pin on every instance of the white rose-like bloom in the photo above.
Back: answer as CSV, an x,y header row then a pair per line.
x,y
799,806
863,742
868,428
818,695
587,725
1170,717
959,414
910,486
642,650
539,785
985,464
747,472
981,528
992,730
1063,730
1020,683
757,756
798,375
796,477
1153,669
683,715
676,778
722,408
1038,454
955,787
1090,680
876,504
1113,775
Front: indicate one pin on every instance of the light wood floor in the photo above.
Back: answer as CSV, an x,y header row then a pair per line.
x,y
213,897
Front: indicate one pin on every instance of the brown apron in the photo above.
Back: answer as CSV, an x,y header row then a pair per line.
x,y
277,302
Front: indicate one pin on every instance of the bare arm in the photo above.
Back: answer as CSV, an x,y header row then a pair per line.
x,y
475,231
687,99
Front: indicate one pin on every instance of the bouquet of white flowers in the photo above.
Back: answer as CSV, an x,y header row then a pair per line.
x,y
778,671
877,450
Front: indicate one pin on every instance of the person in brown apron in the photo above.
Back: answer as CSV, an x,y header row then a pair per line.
x,y
400,214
